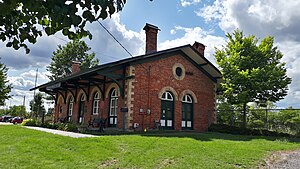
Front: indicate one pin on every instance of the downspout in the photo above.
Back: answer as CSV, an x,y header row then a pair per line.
x,y
148,97
149,102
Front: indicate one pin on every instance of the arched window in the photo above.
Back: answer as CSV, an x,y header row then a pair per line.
x,y
167,110
113,107
187,112
81,109
96,103
187,99
70,108
167,96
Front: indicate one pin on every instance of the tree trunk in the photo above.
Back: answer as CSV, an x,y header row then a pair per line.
x,y
43,117
244,115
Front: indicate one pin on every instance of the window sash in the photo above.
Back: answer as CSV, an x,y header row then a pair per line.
x,y
96,106
70,109
113,106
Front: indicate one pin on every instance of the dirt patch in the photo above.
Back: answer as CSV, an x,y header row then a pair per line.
x,y
166,162
282,159
108,163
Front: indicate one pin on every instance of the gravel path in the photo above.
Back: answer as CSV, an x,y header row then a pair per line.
x,y
284,159
59,132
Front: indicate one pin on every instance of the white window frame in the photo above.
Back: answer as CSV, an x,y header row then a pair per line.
x,y
96,103
113,99
167,96
82,99
187,99
70,108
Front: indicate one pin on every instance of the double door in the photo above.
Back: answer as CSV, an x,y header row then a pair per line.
x,y
167,115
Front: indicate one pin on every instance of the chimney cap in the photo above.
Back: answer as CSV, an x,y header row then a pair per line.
x,y
147,26
76,62
199,44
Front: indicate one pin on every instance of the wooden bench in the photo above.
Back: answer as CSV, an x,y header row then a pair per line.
x,y
62,119
98,122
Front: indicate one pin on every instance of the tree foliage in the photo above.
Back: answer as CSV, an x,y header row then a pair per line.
x,y
62,58
37,105
251,72
22,22
17,111
4,86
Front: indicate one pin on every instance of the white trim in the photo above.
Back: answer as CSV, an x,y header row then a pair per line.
x,y
96,103
70,108
113,106
187,99
82,98
167,96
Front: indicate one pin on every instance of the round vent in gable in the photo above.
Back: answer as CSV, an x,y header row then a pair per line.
x,y
178,71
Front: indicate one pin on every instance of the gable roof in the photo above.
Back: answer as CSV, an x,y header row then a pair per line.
x,y
187,50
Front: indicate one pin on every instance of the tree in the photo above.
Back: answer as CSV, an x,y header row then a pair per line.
x,y
62,58
17,111
37,105
251,72
4,86
24,21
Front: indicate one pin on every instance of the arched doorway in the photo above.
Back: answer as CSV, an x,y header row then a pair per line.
x,y
167,111
187,112
70,109
81,109
113,107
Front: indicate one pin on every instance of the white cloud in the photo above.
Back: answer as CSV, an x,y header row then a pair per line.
x,y
106,48
263,18
33,73
186,3
20,82
172,31
17,98
195,34
211,12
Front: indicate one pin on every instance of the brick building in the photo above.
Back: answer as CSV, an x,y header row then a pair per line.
x,y
173,88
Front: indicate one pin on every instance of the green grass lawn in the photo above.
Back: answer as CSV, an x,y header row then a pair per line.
x,y
25,148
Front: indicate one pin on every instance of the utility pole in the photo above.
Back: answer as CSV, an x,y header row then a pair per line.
x,y
24,106
34,90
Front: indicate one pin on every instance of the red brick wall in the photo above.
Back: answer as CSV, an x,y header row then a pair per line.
x,y
161,75
88,107
147,87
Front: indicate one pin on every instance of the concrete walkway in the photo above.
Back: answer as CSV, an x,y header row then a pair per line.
x,y
59,132
5,123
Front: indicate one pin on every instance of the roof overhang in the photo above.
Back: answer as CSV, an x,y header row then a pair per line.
x,y
188,50
202,62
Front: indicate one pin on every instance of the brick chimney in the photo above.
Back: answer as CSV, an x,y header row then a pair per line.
x,y
75,66
199,47
151,38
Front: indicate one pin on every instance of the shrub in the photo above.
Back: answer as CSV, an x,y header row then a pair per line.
x,y
256,124
60,126
70,127
50,125
223,128
29,122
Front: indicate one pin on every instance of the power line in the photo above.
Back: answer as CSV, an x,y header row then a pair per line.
x,y
102,54
60,38
114,38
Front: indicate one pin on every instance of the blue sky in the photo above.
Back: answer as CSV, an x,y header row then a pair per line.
x,y
181,22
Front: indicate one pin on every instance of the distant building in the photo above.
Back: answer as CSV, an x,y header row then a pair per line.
x,y
173,88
